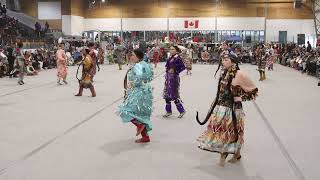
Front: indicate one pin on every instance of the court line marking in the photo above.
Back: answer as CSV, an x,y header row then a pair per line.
x,y
26,89
52,140
297,171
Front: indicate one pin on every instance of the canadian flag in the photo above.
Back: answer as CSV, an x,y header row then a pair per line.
x,y
191,24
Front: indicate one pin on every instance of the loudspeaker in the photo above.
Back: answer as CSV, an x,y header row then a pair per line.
x,y
248,39
301,39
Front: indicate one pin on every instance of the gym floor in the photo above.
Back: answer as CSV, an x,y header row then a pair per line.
x,y
48,134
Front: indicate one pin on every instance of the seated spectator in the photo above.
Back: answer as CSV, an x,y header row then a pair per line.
x,y
30,70
69,58
205,56
77,56
36,61
311,64
3,64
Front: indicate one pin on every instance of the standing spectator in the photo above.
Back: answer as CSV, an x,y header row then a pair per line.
x,y
37,27
308,47
46,27
4,10
0,9
11,59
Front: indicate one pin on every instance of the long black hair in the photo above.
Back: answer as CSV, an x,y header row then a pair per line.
x,y
176,48
140,54
227,54
214,104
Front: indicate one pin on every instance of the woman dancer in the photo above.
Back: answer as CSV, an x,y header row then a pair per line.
x,y
271,57
137,105
86,80
119,52
156,56
261,62
189,60
174,67
225,131
101,55
61,65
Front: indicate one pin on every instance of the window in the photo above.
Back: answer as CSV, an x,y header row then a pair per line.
x,y
261,36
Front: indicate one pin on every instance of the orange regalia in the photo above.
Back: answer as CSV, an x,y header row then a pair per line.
x,y
87,65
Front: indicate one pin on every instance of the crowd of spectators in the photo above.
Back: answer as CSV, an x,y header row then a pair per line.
x,y
9,29
37,60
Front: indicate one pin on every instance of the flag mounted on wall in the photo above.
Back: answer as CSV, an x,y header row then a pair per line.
x,y
194,24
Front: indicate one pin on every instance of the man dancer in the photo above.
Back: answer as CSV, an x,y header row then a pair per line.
x,y
119,52
20,62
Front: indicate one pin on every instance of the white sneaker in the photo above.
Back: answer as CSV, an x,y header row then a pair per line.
x,y
182,114
167,115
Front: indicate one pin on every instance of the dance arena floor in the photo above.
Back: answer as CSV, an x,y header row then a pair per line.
x,y
48,134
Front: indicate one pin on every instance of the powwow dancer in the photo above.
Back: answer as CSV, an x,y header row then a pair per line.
x,y
174,67
225,130
137,105
61,65
87,75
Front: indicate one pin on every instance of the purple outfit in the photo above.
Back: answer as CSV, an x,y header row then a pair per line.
x,y
172,84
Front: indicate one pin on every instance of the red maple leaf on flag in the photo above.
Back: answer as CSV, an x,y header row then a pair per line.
x,y
191,24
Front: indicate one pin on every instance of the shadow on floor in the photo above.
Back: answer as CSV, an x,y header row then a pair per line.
x,y
228,172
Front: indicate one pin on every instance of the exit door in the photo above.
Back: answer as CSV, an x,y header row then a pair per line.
x,y
283,36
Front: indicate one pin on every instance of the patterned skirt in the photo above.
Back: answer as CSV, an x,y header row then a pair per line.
x,y
220,135
270,61
138,105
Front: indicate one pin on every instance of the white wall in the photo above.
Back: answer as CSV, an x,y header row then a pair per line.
x,y
240,23
77,23
102,24
72,25
292,26
49,10
175,24
66,24
144,24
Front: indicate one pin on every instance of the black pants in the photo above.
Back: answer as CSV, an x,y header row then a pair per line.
x,y
11,66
